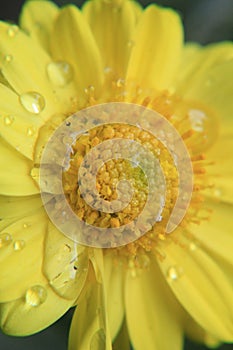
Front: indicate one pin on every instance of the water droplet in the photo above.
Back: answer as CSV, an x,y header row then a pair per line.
x,y
89,90
217,192
130,43
5,239
33,102
133,273
31,131
143,261
98,340
26,225
205,123
35,173
18,245
12,31
67,248
162,236
36,295
8,120
8,58
172,273
208,82
192,246
60,73
197,119
120,82
107,70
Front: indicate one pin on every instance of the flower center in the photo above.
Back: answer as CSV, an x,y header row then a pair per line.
x,y
123,171
192,122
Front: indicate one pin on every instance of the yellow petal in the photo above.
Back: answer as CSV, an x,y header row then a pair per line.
x,y
122,340
22,255
73,42
3,80
65,264
188,62
18,128
216,233
201,287
113,281
89,328
206,78
18,207
37,310
221,172
137,8
23,63
114,38
198,334
156,54
15,176
150,309
190,53
37,18
15,208
223,188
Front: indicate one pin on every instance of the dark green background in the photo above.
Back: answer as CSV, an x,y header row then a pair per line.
x,y
205,21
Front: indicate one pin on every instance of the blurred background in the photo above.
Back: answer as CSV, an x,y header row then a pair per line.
x,y
205,21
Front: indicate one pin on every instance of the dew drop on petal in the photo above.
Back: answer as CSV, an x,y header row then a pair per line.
x,y
36,295
120,83
35,173
59,73
143,260
89,90
107,70
5,239
162,236
33,102
8,120
172,273
31,131
133,272
67,248
192,247
12,31
8,58
130,43
18,245
198,119
205,123
217,192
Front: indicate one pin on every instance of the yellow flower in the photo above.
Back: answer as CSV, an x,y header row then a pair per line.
x,y
152,291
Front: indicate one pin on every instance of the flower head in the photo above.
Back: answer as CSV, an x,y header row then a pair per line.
x,y
71,82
